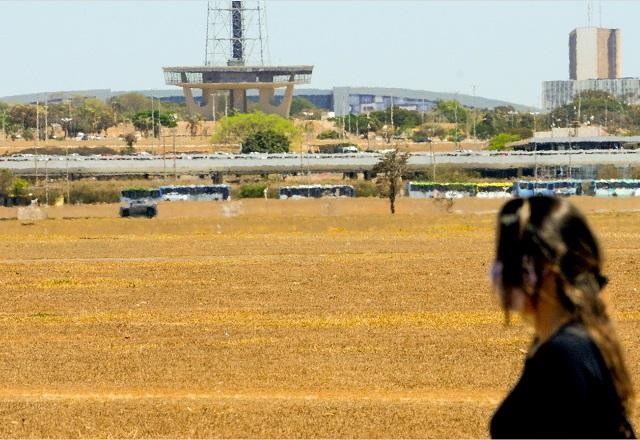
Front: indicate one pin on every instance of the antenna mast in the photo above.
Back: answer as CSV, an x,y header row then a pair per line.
x,y
236,33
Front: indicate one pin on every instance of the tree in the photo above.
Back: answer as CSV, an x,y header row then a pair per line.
x,y
90,115
300,104
130,139
267,141
237,128
146,121
11,185
392,166
193,122
452,111
6,181
131,103
500,141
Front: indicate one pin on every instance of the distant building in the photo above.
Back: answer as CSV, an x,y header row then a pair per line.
x,y
594,53
594,64
558,93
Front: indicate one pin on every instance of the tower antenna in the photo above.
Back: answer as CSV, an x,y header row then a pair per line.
x,y
236,33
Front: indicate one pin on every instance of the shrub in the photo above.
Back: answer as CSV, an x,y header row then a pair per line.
x,y
500,141
86,193
366,188
267,141
329,134
252,190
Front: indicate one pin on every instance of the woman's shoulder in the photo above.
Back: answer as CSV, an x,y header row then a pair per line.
x,y
573,347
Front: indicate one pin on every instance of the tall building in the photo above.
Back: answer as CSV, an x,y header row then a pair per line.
x,y
594,64
594,53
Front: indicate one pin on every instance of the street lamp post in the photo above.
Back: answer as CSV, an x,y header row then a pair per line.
x,y
4,130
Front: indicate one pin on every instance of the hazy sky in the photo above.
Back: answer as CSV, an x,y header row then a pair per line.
x,y
506,48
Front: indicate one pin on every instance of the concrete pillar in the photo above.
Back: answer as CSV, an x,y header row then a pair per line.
x,y
265,105
206,110
239,100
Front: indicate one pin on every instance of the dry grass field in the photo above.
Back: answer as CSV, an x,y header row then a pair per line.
x,y
270,319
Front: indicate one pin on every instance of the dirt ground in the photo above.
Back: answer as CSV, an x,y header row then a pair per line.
x,y
254,318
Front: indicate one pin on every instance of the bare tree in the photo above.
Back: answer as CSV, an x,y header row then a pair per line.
x,y
193,123
391,167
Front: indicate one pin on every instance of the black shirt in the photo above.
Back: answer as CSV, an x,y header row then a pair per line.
x,y
565,391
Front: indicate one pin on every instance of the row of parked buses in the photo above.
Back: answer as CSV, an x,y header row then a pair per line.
x,y
175,192
316,191
528,188
144,201
459,190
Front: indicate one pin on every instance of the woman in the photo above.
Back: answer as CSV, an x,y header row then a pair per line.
x,y
575,383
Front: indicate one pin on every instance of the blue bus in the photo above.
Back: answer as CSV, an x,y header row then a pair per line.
x,y
195,192
550,188
316,191
615,188
438,189
129,194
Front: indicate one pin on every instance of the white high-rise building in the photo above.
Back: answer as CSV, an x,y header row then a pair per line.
x,y
594,53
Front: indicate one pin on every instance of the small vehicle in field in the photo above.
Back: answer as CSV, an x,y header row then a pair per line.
x,y
139,202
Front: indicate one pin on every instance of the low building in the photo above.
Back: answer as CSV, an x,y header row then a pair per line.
x,y
561,143
558,93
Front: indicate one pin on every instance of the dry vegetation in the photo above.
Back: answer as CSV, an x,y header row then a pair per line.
x,y
269,319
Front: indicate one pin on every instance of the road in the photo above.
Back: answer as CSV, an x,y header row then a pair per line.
x,y
25,165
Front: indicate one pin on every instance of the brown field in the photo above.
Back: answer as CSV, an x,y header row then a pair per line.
x,y
270,319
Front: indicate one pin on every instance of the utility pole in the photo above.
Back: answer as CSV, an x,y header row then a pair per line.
x,y
392,125
155,151
455,117
475,107
46,181
35,156
4,131
213,106
164,158
67,172
153,126
46,117
433,161
175,171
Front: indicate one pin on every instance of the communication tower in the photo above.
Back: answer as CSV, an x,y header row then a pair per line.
x,y
235,56
236,33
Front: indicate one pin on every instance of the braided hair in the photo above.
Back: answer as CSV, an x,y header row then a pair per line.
x,y
555,236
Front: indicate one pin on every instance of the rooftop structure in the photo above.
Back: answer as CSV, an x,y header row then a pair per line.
x,y
235,29
575,143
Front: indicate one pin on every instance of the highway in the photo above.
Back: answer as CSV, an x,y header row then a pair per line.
x,y
204,164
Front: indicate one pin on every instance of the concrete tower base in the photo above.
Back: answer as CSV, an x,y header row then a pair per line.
x,y
237,80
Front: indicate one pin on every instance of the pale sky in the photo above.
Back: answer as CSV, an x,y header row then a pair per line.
x,y
506,48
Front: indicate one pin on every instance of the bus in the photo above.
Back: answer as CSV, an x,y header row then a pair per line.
x,y
129,194
195,192
493,190
316,191
559,188
437,189
614,188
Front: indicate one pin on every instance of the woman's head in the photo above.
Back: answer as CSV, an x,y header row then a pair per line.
x,y
545,251
544,237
